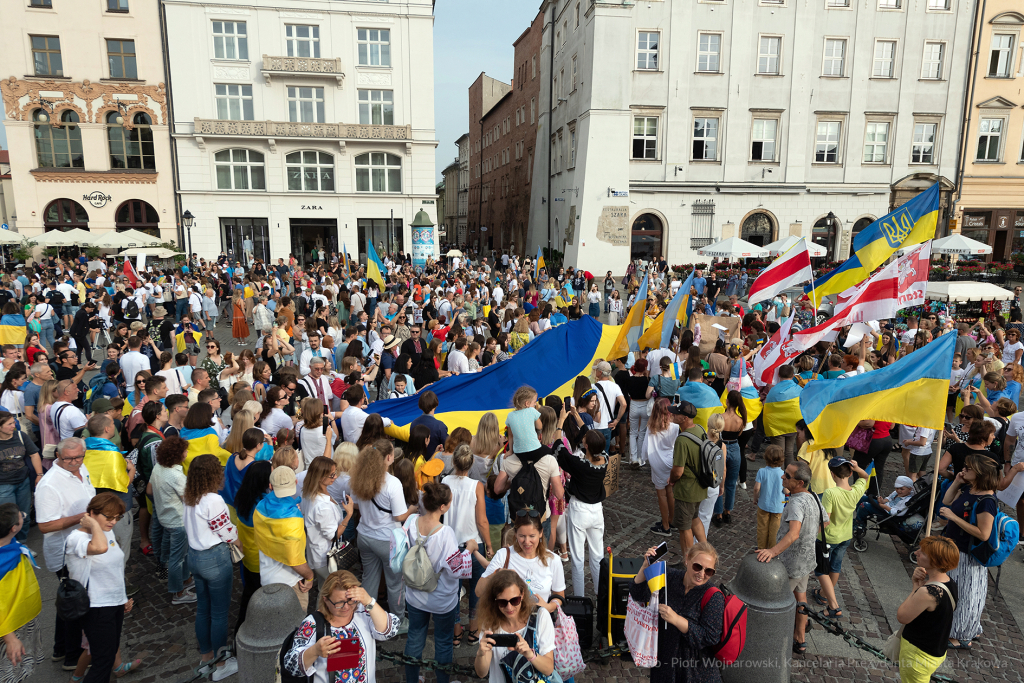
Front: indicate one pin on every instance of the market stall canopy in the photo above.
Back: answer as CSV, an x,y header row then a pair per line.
x,y
966,291
786,243
128,238
733,247
71,238
155,252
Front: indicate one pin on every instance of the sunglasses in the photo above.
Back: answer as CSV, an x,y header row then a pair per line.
x,y
697,569
532,513
503,603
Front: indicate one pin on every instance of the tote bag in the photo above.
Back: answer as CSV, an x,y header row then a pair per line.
x,y
642,631
568,655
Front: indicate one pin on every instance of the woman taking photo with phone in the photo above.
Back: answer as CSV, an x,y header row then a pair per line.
x,y
508,608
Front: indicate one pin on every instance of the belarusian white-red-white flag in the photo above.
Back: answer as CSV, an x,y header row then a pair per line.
x,y
777,352
788,270
129,272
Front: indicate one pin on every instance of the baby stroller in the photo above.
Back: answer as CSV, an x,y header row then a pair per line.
x,y
908,527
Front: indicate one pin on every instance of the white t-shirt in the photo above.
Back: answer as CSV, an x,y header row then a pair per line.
x,y
608,401
1010,351
457,362
103,574
71,418
61,494
541,580
915,433
1016,428
322,517
376,523
352,423
545,644
312,441
275,421
446,558
44,311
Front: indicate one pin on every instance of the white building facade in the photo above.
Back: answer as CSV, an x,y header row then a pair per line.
x,y
303,127
677,124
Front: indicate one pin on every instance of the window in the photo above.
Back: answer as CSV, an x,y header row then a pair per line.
x,y
561,79
705,139
533,109
888,4
826,147
117,5
876,139
533,67
709,47
46,55
647,51
229,40
573,74
377,107
240,169
572,148
59,146
989,135
41,3
577,15
645,137
932,62
938,4
885,59
302,41
138,215
565,32
131,148
310,171
65,214
561,151
378,172
234,102
768,54
374,47
838,3
835,52
306,105
924,143
1001,60
121,57
762,139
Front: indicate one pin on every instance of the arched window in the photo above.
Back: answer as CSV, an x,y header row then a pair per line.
x,y
378,172
825,233
646,238
310,171
131,148
59,146
65,214
758,229
139,215
240,169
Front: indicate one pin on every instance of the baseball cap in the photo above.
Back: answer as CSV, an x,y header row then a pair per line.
x,y
684,408
283,481
102,405
837,462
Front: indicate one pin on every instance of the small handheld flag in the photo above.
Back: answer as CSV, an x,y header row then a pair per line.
x,y
540,263
656,575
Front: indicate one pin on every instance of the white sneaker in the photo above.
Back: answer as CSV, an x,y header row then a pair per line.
x,y
230,668
184,599
403,626
743,485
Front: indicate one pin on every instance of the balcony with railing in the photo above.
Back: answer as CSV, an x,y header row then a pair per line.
x,y
290,67
271,131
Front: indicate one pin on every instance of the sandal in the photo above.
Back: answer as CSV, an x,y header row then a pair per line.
x,y
457,640
799,648
833,613
76,679
147,549
472,638
959,646
818,598
128,667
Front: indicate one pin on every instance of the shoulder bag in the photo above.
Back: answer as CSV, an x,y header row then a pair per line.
x,y
891,649
822,549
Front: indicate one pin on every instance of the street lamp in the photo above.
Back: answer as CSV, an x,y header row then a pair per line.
x,y
122,110
43,103
186,220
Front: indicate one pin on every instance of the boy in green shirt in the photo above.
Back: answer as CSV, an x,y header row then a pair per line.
x,y
840,502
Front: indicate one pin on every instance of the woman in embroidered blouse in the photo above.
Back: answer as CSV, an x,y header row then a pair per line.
x,y
345,610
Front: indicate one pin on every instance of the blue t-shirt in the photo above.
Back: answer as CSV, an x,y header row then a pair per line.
x,y
700,284
32,399
524,429
770,498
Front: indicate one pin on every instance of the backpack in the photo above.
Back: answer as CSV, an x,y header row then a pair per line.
x,y
997,443
286,646
1001,541
96,385
734,626
526,490
132,309
711,461
417,567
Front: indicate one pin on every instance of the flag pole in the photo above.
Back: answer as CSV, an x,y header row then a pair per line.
x,y
935,482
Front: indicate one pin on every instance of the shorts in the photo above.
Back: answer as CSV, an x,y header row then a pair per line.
x,y
918,462
685,513
951,401
799,584
835,557
192,349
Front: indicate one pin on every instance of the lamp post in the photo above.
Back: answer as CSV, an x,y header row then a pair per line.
x,y
186,220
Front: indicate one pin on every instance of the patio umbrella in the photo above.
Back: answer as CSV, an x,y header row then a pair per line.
x,y
786,243
454,252
733,247
10,237
958,244
128,238
155,252
71,238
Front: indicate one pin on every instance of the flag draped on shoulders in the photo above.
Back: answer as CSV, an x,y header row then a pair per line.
x,y
247,535
629,333
200,442
703,397
782,408
751,399
20,601
279,529
912,391
106,465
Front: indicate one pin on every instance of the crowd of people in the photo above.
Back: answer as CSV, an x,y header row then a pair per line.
x,y
260,466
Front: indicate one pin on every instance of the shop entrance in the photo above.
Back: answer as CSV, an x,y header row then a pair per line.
x,y
314,233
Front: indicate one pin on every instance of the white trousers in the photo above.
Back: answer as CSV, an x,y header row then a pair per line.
x,y
585,527
638,431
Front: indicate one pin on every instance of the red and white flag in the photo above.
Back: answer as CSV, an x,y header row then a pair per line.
x,y
777,352
788,270
129,272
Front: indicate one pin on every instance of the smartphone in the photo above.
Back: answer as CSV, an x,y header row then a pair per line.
x,y
327,420
504,639
568,403
659,553
347,656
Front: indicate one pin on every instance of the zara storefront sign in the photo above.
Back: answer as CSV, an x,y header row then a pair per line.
x,y
312,208
97,199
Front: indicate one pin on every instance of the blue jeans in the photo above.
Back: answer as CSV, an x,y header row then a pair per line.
x,y
867,507
21,495
470,586
444,632
732,477
213,573
607,434
46,335
180,307
173,549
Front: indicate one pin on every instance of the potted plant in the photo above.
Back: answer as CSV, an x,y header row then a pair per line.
x,y
938,273
1017,258
23,252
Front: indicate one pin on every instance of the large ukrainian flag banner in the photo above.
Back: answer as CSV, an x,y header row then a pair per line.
x,y
910,224
279,529
20,602
374,266
782,409
549,364
202,441
911,391
659,335
703,397
631,330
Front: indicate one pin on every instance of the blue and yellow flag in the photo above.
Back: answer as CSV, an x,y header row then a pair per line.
x,y
751,399
200,442
12,329
247,535
279,529
540,263
703,397
631,330
912,391
549,364
782,408
655,575
910,224
344,258
675,370
20,601
374,266
106,465
659,334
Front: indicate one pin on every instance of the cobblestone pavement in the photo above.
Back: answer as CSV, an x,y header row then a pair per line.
x,y
164,636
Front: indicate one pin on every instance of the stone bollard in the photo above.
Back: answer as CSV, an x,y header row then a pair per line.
x,y
272,614
771,608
